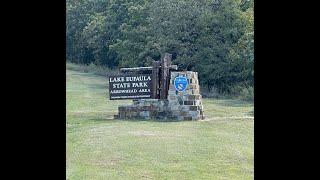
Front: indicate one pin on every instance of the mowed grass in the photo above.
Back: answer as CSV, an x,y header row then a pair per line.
x,y
99,147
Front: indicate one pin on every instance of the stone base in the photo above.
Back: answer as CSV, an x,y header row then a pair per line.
x,y
186,105
159,109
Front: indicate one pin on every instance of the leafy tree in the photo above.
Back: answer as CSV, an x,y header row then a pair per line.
x,y
213,37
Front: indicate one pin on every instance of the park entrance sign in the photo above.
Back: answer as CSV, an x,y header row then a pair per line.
x,y
133,86
142,82
158,92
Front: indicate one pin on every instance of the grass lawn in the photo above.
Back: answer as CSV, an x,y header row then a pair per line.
x,y
99,147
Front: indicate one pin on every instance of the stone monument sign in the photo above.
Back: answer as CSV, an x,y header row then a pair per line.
x,y
158,92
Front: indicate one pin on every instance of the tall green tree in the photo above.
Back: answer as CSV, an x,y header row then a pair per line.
x,y
213,37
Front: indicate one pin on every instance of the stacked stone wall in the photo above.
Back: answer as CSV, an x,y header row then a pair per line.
x,y
186,105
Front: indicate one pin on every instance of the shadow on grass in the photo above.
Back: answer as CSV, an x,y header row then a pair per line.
x,y
110,119
151,120
102,119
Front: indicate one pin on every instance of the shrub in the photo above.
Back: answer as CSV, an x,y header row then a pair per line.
x,y
247,93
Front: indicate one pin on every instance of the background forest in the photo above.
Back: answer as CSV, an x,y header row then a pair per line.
x,y
213,37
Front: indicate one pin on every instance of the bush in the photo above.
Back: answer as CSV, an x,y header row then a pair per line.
x,y
213,93
247,93
237,92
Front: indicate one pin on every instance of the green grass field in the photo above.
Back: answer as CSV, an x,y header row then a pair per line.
x,y
99,147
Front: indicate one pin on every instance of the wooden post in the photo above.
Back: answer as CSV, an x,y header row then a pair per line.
x,y
155,79
164,84
160,73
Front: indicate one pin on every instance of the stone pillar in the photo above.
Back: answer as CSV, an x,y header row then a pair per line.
x,y
186,105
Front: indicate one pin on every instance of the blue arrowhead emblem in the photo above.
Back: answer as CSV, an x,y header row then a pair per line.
x,y
180,83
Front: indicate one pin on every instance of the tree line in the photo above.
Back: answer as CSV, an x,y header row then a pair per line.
x,y
213,37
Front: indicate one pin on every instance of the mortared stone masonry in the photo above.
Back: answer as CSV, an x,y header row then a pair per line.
x,y
186,105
